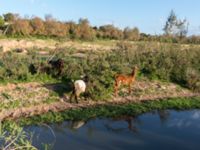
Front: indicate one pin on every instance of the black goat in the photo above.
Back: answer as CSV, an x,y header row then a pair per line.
x,y
57,65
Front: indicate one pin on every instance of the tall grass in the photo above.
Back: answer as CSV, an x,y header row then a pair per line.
x,y
13,137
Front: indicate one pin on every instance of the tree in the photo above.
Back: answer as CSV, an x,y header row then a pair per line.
x,y
183,28
62,30
84,30
54,28
21,27
111,32
50,25
10,17
38,26
71,26
131,34
175,26
1,21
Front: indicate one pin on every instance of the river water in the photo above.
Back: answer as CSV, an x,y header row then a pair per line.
x,y
163,130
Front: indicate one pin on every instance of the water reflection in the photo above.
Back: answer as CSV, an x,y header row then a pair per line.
x,y
129,120
77,124
163,115
196,115
166,129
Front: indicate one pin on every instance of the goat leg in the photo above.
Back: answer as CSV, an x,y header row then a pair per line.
x,y
129,88
72,96
70,99
76,98
116,89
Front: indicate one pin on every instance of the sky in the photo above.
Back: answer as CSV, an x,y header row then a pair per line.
x,y
148,15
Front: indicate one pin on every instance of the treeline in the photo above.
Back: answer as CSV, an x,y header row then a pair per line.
x,y
175,30
14,25
193,39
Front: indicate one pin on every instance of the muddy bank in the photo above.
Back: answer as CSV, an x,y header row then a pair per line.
x,y
62,106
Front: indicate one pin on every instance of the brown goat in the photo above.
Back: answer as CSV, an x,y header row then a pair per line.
x,y
125,80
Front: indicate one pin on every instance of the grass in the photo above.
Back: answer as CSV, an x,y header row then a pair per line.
x,y
132,109
13,137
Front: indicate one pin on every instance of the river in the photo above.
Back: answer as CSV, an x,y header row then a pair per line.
x,y
164,130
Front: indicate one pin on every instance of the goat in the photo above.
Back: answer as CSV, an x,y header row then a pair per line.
x,y
79,87
125,80
57,65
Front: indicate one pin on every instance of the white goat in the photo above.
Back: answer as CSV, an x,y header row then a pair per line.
x,y
78,88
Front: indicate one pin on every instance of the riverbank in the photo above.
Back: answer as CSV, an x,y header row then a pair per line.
x,y
25,100
111,110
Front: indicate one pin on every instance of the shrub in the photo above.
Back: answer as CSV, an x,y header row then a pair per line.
x,y
193,79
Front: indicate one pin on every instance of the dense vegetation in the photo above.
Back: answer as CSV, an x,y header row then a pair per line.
x,y
164,62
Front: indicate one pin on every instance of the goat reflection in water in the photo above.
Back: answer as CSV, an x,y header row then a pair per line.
x,y
131,121
77,124
163,115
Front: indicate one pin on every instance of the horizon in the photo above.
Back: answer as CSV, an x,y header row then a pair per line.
x,y
149,17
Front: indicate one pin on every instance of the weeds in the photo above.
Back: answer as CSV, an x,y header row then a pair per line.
x,y
13,137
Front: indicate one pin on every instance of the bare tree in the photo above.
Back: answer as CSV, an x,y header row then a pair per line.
x,y
175,26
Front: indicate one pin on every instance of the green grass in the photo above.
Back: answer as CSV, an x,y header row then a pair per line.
x,y
113,110
40,78
13,137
